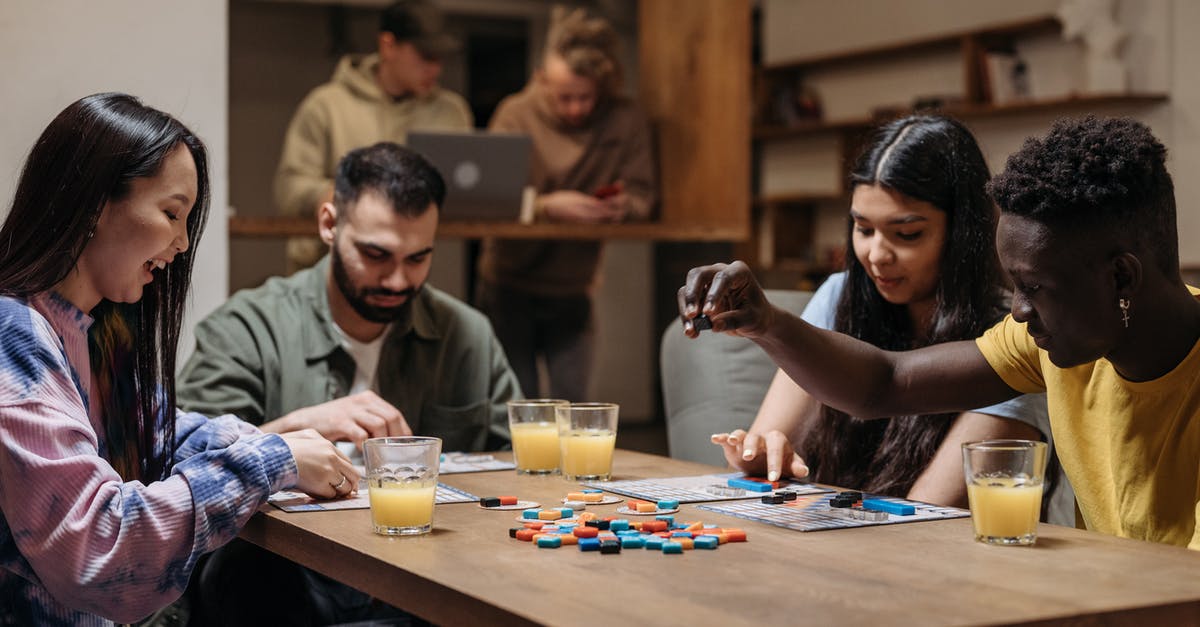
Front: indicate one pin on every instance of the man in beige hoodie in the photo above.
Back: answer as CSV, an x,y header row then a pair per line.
x,y
371,98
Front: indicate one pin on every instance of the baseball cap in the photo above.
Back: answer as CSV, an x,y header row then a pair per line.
x,y
420,23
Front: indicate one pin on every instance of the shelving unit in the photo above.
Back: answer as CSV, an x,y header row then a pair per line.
x,y
781,218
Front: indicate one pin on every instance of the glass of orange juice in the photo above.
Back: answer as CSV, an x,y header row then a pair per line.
x,y
1004,487
402,478
587,434
534,427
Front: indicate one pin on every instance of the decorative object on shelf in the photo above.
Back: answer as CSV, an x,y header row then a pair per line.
x,y
795,103
1092,22
1004,76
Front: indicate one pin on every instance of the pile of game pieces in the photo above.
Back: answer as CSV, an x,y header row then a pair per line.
x,y
646,508
580,500
609,535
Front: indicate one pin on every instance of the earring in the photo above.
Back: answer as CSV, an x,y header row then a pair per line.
x,y
91,232
1123,303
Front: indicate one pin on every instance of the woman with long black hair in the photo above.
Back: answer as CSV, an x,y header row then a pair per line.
x,y
922,270
109,495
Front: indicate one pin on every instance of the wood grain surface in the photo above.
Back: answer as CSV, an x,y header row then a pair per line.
x,y
469,572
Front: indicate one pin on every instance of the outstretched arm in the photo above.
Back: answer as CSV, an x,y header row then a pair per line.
x,y
848,374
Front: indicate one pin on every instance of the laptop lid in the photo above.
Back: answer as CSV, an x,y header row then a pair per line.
x,y
485,173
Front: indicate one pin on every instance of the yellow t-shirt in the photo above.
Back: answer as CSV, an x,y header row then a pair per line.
x,y
1131,450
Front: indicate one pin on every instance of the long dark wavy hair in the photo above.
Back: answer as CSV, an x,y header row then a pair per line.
x,y
933,159
87,157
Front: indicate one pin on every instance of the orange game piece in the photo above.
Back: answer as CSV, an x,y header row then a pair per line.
x,y
508,500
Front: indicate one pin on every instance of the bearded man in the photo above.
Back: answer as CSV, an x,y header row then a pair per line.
x,y
359,346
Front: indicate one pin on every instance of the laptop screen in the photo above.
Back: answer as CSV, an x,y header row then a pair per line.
x,y
485,173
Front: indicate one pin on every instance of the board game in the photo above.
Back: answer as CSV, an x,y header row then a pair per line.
x,y
813,513
696,489
290,501
452,462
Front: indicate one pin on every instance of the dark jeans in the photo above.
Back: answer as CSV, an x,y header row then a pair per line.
x,y
243,584
559,329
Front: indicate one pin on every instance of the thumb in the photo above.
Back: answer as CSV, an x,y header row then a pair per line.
x,y
799,468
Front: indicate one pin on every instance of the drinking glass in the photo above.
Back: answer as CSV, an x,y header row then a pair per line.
x,y
587,433
1004,487
534,428
402,477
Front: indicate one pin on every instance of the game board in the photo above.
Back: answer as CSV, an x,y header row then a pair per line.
x,y
452,462
289,501
813,513
694,489
471,462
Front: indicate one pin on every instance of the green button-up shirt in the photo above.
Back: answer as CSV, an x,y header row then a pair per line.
x,y
271,350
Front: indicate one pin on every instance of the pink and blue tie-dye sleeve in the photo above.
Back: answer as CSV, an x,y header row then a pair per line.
x,y
82,539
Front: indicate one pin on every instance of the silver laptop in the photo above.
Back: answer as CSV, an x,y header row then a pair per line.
x,y
485,173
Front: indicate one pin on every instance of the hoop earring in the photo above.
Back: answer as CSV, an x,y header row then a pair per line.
x,y
1123,303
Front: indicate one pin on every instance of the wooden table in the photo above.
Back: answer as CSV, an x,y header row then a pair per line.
x,y
469,572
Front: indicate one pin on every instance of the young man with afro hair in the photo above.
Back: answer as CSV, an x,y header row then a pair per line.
x,y
1101,321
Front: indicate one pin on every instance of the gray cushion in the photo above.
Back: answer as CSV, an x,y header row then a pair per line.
x,y
715,383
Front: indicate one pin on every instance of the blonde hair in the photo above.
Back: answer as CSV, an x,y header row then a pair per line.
x,y
588,45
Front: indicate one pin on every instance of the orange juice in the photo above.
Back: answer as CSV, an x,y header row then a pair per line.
x,y
588,453
535,446
402,508
1003,507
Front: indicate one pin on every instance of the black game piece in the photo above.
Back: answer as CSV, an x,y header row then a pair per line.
x,y
490,501
610,546
701,323
772,499
512,532
787,496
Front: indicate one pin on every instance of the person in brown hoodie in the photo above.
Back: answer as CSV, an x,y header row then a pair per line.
x,y
371,98
592,162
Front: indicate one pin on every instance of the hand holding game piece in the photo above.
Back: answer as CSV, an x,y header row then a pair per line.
x,y
731,298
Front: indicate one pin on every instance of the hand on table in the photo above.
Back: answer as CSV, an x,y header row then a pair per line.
x,y
324,472
770,454
352,418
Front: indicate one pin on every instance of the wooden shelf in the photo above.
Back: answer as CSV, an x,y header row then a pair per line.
x,y
966,112
279,226
943,40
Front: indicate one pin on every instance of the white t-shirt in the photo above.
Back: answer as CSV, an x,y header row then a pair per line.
x,y
366,358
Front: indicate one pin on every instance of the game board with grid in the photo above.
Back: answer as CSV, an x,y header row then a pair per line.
x,y
290,501
813,513
694,489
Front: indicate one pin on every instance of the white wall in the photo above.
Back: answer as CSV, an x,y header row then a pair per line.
x,y
170,53
1159,52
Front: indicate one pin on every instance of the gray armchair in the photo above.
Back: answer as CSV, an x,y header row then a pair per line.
x,y
714,383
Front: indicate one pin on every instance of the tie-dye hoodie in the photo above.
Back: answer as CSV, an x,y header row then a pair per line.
x,y
78,545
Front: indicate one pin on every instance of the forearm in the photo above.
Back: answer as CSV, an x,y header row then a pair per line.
x,y
942,481
786,408
868,382
119,548
836,369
